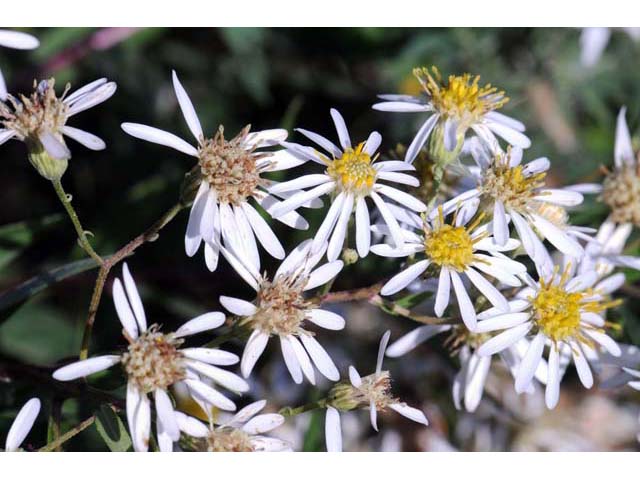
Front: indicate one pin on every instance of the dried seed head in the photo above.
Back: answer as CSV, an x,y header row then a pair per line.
x,y
153,361
621,192
230,167
281,306
39,112
229,439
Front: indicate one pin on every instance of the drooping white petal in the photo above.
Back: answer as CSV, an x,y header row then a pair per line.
x,y
405,277
450,134
329,222
85,368
500,228
291,360
320,357
22,425
303,359
299,199
340,231
266,138
333,430
487,289
164,409
189,113
85,138
54,147
155,135
389,220
443,292
280,160
605,341
142,425
246,413
582,366
476,375
558,238
210,395
562,197
513,137
363,225
397,177
420,139
252,351
399,106
530,363
193,237
467,312
502,322
410,412
505,120
191,426
18,40
552,392
202,323
299,183
243,269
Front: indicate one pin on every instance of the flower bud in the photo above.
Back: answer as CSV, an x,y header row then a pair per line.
x,y
50,168
350,256
344,397
438,153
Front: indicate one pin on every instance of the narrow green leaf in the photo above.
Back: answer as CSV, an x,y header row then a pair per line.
x,y
112,430
412,300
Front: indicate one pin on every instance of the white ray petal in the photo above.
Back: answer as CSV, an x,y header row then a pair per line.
x,y
164,410
320,358
212,356
389,220
504,340
401,197
411,340
299,199
530,362
340,231
189,113
420,138
98,95
252,351
22,425
155,135
125,315
363,227
291,360
354,377
263,423
328,145
397,106
384,341
202,323
323,274
210,395
84,368
85,138
333,430
465,306
487,289
582,366
229,380
341,128
502,322
623,151
326,319
404,278
552,392
372,144
238,306
443,292
134,298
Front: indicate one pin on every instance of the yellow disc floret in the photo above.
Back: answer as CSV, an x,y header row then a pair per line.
x,y
449,246
353,171
557,312
509,184
461,97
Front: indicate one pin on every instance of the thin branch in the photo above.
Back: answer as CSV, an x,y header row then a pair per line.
x,y
68,435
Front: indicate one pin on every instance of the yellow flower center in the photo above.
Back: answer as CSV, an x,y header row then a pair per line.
x,y
557,312
509,184
353,170
450,246
462,97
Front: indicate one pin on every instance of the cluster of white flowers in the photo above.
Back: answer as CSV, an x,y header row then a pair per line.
x,y
536,294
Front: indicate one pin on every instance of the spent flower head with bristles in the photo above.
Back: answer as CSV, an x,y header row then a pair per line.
x,y
456,105
40,121
153,363
372,392
280,309
228,179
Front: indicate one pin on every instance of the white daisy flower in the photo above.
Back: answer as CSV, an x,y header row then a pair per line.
x,y
154,362
230,176
605,253
564,311
352,174
372,391
40,120
24,421
621,188
281,309
452,109
19,41
243,432
454,250
511,191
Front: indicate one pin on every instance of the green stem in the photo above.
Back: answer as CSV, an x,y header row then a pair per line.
x,y
150,235
291,411
68,435
80,231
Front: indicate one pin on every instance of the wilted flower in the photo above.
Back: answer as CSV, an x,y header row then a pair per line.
x,y
154,362
372,392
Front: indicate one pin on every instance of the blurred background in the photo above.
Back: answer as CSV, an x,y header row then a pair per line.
x,y
288,78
